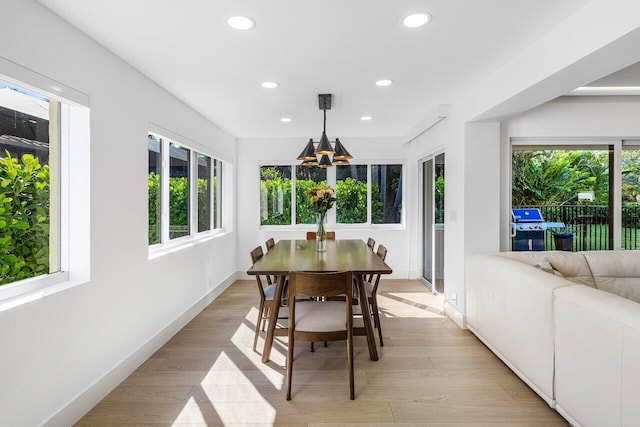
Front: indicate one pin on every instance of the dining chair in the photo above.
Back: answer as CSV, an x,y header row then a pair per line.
x,y
371,243
311,235
371,289
330,320
266,291
270,244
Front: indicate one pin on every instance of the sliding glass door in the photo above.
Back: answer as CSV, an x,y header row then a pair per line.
x,y
593,188
433,222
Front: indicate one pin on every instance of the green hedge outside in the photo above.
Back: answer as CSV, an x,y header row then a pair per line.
x,y
24,218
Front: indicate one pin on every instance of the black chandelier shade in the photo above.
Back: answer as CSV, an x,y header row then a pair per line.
x,y
340,154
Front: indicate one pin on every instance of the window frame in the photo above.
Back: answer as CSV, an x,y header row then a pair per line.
x,y
73,192
331,216
216,205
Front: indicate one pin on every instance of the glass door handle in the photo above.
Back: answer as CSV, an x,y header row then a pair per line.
x,y
512,232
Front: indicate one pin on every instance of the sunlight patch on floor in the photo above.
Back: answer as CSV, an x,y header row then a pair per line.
x,y
190,414
243,391
411,304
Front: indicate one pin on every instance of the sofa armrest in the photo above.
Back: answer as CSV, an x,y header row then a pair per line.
x,y
510,308
597,352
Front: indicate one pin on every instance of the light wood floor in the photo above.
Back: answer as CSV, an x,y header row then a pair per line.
x,y
430,373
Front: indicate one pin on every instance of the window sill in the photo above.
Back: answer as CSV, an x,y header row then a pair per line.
x,y
175,245
28,290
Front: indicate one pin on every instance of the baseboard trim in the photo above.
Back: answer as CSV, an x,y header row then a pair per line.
x,y
97,391
548,399
456,315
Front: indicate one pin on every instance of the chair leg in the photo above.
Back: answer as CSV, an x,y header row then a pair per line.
x,y
312,348
264,314
376,319
352,395
290,365
259,321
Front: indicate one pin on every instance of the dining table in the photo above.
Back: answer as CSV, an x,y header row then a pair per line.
x,y
300,255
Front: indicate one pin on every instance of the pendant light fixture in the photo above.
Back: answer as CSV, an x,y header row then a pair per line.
x,y
340,154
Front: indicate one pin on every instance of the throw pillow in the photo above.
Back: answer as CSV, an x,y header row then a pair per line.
x,y
548,268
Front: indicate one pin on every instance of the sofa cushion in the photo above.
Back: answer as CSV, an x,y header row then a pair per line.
x,y
617,272
572,265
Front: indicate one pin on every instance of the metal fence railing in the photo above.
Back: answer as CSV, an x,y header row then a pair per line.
x,y
589,226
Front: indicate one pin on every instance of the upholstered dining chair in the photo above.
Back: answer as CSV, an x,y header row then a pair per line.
x,y
270,244
371,288
371,243
266,292
329,320
311,235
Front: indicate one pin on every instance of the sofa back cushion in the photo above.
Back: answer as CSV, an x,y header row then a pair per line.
x,y
617,272
572,265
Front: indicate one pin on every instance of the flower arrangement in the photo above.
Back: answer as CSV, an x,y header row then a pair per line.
x,y
322,198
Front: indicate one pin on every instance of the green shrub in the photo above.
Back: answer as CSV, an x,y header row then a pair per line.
x,y
24,218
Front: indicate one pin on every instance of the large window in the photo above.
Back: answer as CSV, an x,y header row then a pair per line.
x,y
590,187
184,196
29,184
365,194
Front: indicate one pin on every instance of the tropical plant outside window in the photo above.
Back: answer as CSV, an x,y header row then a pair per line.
x,y
307,178
351,194
386,194
29,218
275,195
574,186
352,197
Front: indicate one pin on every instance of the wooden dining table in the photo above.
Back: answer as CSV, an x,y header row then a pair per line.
x,y
301,255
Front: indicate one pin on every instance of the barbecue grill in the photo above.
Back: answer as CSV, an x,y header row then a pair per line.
x,y
529,227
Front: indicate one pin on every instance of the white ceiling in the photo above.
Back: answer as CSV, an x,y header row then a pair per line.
x,y
310,47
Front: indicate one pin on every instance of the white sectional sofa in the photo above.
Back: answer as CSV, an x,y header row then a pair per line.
x,y
568,324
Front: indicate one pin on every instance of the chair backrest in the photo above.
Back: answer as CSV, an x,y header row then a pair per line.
x,y
321,284
375,278
371,243
311,235
270,244
382,252
256,254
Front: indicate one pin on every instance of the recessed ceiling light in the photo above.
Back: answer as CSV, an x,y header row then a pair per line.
x,y
384,82
285,119
270,85
366,118
606,90
416,20
241,22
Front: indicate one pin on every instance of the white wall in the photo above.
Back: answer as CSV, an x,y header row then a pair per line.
x,y
72,344
255,152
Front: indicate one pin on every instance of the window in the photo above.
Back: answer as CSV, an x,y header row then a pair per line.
x,y
306,178
178,191
155,202
185,197
351,194
386,194
275,195
365,194
204,192
29,184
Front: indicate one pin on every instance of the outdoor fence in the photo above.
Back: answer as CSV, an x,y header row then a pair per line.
x,y
589,226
